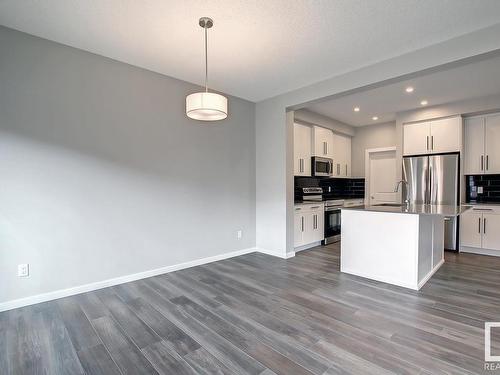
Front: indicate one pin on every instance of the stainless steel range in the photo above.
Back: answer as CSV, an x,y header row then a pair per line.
x,y
332,220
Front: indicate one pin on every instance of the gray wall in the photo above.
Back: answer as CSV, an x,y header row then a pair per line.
x,y
103,175
372,136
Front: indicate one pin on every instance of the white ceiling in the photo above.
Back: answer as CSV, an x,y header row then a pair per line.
x,y
465,82
258,48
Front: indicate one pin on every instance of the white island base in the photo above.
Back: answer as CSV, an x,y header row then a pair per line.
x,y
403,249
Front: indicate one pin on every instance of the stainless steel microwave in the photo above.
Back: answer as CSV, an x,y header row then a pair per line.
x,y
321,166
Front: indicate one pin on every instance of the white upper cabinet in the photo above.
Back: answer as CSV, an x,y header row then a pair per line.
x,y
431,137
446,135
302,150
322,142
416,138
341,155
474,145
492,144
311,141
482,140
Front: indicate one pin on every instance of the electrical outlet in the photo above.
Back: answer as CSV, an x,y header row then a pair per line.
x,y
239,234
23,270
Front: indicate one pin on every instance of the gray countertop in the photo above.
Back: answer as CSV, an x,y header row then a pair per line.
x,y
416,209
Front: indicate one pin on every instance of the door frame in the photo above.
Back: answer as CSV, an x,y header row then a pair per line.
x,y
368,153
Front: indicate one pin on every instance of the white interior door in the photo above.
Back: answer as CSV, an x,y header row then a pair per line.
x,y
382,177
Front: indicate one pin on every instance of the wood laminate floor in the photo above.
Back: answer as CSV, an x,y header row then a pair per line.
x,y
256,314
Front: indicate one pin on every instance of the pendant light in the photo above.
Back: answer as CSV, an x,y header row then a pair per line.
x,y
206,106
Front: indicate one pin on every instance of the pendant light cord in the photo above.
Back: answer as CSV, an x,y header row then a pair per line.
x,y
206,61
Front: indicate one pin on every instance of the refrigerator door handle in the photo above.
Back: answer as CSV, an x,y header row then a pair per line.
x,y
429,201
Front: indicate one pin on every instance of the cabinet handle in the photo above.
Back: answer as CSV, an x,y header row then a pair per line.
x,y
346,170
338,169
484,225
479,227
432,142
315,207
314,221
302,222
482,162
324,148
427,143
487,162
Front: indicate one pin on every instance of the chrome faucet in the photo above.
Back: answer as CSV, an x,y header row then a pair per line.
x,y
396,189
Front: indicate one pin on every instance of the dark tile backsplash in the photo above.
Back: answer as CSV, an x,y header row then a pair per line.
x,y
490,185
333,188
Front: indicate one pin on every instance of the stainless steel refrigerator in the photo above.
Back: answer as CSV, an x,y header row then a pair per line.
x,y
434,179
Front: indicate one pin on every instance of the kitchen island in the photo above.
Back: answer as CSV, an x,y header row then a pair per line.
x,y
399,245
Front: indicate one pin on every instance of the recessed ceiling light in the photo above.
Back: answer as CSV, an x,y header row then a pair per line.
x,y
356,109
424,102
374,118
409,89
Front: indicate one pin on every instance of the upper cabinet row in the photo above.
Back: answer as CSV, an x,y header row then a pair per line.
x,y
432,137
482,137
481,154
312,141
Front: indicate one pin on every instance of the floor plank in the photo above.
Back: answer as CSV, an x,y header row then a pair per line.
x,y
257,314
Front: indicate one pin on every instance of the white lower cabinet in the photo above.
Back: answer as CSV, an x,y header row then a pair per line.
x,y
491,231
308,224
480,230
470,229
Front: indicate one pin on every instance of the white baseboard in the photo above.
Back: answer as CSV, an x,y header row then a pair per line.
x,y
278,254
9,305
414,286
382,279
308,246
429,275
476,250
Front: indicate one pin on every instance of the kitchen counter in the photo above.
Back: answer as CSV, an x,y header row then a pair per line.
x,y
401,245
307,203
416,209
